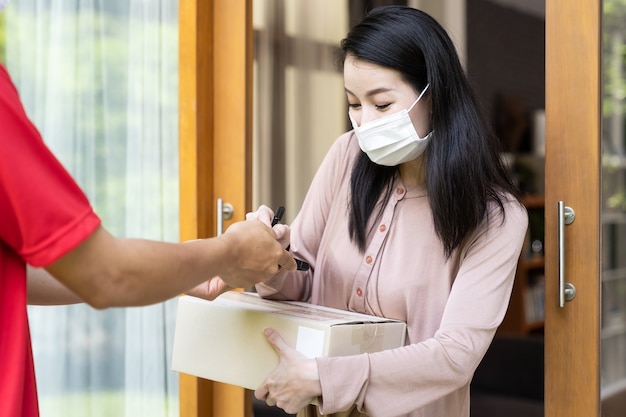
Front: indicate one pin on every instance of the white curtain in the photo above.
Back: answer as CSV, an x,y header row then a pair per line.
x,y
99,79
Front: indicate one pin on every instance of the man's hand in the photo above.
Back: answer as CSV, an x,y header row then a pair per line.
x,y
257,254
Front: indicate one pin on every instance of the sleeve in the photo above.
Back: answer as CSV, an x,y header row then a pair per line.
x,y
308,226
44,213
397,381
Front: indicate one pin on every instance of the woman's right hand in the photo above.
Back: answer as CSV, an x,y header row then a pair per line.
x,y
265,215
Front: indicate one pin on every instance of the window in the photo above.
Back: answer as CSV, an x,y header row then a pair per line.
x,y
100,81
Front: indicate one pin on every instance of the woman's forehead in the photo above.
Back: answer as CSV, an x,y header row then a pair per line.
x,y
366,78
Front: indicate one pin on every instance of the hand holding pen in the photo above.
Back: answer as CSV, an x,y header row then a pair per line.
x,y
278,215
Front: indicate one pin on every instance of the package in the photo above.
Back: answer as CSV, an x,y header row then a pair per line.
x,y
223,340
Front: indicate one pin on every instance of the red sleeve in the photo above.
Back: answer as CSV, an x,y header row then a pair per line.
x,y
43,212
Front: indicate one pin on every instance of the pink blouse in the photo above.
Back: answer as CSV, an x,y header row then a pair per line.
x,y
452,307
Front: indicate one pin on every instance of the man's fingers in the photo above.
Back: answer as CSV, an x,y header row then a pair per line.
x,y
287,262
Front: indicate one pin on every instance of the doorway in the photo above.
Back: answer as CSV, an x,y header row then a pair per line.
x,y
503,48
579,99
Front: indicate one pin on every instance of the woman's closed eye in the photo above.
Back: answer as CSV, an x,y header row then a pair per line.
x,y
379,107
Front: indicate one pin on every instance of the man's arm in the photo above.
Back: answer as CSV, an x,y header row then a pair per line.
x,y
44,289
105,271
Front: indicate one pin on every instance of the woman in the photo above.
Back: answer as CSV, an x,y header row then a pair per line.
x,y
411,216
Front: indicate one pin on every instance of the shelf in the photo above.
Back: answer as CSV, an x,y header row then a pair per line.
x,y
533,200
534,326
532,262
526,308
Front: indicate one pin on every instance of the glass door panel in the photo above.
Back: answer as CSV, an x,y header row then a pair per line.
x,y
613,334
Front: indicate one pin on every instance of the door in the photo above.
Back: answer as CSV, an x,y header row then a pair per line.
x,y
214,156
215,81
573,168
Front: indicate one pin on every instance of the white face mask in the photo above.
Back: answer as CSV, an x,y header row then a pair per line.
x,y
3,5
391,140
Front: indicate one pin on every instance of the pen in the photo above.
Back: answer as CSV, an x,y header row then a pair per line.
x,y
302,266
278,215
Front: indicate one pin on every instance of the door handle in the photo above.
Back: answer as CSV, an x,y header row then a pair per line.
x,y
224,212
566,216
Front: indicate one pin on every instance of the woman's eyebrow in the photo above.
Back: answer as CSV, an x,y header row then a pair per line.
x,y
372,92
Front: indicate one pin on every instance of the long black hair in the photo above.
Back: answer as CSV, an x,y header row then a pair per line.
x,y
463,166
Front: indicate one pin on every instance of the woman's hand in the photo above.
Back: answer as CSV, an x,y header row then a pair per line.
x,y
210,289
265,215
294,383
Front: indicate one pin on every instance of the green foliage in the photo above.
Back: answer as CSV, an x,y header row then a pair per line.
x,y
2,38
614,57
614,103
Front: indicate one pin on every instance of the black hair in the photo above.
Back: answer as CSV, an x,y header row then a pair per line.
x,y
463,166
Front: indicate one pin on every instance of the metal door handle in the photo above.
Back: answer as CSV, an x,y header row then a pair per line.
x,y
566,215
224,212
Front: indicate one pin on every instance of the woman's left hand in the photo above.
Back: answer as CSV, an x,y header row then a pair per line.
x,y
210,289
294,383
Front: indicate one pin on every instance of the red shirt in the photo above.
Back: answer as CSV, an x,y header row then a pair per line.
x,y
43,215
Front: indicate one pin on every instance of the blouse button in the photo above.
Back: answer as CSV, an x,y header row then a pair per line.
x,y
368,259
399,190
359,292
382,228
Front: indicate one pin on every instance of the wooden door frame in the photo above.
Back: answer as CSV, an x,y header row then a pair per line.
x,y
573,167
215,123
215,136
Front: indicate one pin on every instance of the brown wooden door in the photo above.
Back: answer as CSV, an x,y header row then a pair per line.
x,y
572,332
215,107
215,42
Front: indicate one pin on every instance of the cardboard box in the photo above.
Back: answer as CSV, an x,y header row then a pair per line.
x,y
223,340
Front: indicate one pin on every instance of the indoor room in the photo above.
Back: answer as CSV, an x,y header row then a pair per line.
x,y
178,117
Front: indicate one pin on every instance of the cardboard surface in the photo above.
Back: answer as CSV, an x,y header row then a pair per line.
x,y
222,340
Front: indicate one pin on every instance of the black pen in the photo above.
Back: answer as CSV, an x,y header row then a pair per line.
x,y
278,215
302,266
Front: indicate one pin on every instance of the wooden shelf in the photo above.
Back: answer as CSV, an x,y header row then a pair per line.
x,y
534,201
534,326
533,262
525,312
